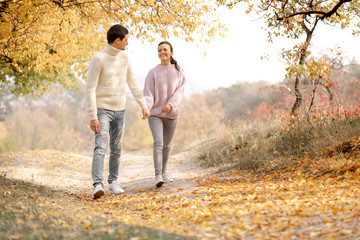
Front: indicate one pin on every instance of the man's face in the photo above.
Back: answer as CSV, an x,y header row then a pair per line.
x,y
121,44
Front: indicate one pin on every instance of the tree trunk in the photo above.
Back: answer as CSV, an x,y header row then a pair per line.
x,y
298,100
298,95
315,86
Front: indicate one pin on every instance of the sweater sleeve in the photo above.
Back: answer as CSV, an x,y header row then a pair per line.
x,y
91,85
134,87
149,90
177,96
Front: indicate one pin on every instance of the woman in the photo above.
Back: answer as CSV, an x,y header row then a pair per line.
x,y
163,91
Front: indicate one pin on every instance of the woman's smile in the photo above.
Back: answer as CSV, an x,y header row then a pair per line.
x,y
165,53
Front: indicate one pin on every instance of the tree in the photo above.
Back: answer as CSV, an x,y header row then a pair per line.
x,y
240,99
295,18
43,42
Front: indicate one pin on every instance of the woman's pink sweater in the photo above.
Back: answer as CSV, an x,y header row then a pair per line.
x,y
164,85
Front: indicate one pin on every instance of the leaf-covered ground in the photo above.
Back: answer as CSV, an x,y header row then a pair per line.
x,y
303,199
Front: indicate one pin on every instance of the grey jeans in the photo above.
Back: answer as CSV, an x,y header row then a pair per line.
x,y
112,124
162,130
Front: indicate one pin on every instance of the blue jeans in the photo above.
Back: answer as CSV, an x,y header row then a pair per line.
x,y
112,124
163,130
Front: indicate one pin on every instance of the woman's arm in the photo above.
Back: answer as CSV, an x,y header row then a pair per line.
x,y
149,90
178,94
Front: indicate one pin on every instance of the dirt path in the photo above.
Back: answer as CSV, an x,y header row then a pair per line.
x,y
72,173
289,204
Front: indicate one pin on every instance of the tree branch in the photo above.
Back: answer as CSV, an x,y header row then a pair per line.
x,y
302,13
329,14
284,5
324,14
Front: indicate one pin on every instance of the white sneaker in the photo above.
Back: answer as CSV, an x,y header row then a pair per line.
x,y
114,186
167,178
159,181
98,191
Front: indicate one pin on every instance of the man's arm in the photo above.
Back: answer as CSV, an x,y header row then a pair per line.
x,y
136,91
146,113
91,85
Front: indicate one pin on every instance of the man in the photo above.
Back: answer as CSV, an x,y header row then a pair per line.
x,y
109,71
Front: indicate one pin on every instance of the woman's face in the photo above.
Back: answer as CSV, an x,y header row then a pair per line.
x,y
164,52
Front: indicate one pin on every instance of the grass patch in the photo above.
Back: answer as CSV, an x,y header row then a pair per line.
x,y
263,144
29,211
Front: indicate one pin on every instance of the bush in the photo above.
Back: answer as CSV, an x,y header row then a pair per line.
x,y
256,143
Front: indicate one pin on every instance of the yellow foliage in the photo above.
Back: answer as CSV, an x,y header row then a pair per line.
x,y
40,36
234,205
299,18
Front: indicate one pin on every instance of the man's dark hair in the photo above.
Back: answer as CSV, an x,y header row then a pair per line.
x,y
116,31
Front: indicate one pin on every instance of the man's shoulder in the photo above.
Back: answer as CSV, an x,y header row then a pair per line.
x,y
98,56
102,56
123,56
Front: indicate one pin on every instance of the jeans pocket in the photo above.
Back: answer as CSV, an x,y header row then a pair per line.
x,y
100,110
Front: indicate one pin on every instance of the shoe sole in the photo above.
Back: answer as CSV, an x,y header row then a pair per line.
x,y
98,194
115,192
160,183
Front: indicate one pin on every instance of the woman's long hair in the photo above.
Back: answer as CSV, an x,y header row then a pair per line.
x,y
172,60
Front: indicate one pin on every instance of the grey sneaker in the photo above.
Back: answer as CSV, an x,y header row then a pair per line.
x,y
167,178
98,191
159,181
114,186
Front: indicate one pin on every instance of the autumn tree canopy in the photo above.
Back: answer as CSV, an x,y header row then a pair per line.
x,y
298,19
47,41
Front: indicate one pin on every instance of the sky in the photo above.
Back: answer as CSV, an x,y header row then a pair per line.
x,y
238,56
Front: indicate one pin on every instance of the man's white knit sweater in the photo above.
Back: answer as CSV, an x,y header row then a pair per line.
x,y
109,71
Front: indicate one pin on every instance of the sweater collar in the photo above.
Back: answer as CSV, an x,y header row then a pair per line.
x,y
166,67
111,50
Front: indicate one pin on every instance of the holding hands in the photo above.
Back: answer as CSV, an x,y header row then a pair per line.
x,y
146,113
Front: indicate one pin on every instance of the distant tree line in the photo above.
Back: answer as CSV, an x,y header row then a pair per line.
x,y
58,119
